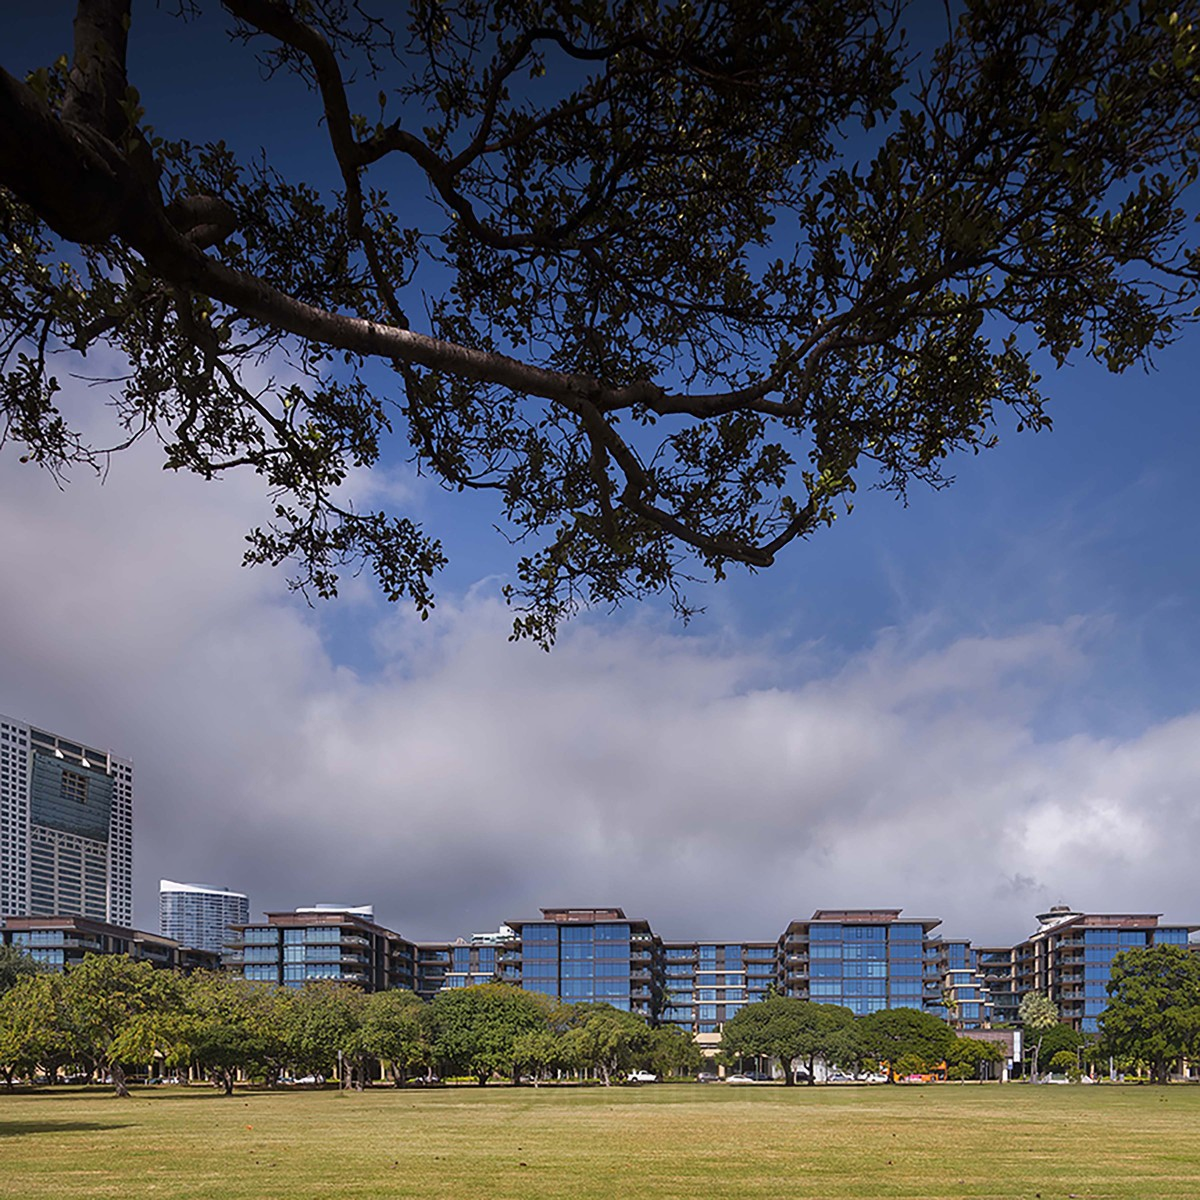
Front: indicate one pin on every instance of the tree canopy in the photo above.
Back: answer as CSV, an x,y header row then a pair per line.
x,y
788,1029
1153,1011
669,280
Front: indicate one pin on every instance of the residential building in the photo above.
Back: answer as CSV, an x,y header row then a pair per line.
x,y
582,955
58,942
707,983
199,915
1069,957
478,960
66,827
864,959
324,942
965,1001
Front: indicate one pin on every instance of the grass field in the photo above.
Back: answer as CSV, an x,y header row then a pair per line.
x,y
655,1141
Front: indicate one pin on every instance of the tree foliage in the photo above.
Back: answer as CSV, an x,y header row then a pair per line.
x,y
474,1029
788,1029
1038,1014
688,274
966,1057
920,1039
1153,1011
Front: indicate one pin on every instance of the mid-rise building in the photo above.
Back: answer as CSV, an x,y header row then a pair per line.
x,y
66,827
324,942
200,916
1069,958
582,955
965,1002
58,942
707,983
862,958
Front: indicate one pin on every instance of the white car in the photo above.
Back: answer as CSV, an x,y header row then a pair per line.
x,y
738,1079
642,1077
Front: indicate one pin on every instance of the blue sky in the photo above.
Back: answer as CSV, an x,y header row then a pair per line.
x,y
976,706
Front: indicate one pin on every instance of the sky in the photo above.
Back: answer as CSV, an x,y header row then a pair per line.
x,y
971,708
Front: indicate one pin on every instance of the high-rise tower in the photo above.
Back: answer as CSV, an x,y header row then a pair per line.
x,y
66,827
198,916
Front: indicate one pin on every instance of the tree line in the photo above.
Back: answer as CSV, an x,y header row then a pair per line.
x,y
901,1041
109,1014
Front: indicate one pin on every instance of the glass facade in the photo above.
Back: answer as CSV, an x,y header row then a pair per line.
x,y
580,961
863,960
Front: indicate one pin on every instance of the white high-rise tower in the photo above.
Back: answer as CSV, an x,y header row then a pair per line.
x,y
66,827
198,916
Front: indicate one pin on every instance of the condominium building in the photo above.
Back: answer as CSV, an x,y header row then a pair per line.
x,y
324,942
1069,958
707,983
588,954
58,942
66,827
200,916
862,958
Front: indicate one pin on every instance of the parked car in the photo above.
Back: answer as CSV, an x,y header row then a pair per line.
x,y
708,1077
642,1077
739,1079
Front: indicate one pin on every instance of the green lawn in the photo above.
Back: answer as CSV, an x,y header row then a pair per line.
x,y
654,1141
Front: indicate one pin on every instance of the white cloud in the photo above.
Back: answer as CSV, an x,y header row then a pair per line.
x,y
716,786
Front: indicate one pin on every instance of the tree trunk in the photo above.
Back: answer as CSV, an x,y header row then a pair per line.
x,y
120,1087
227,1082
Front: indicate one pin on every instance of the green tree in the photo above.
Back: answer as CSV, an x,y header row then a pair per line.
x,y
1153,1010
895,1034
787,1029
15,965
674,1052
475,1029
678,306
35,1026
966,1057
540,1052
323,1023
395,1029
123,1011
608,1041
224,1029
1038,1014
1066,1062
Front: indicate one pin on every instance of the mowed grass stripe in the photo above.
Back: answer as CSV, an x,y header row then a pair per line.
x,y
656,1141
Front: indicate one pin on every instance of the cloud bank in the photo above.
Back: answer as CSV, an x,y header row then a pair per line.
x,y
719,786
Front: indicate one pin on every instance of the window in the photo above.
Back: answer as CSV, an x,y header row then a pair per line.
x,y
73,786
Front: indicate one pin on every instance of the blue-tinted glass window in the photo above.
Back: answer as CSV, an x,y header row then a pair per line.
x,y
324,933
576,933
539,933
819,969
825,933
825,950
706,1012
906,931
612,932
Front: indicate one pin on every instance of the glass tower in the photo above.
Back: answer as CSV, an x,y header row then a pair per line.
x,y
200,917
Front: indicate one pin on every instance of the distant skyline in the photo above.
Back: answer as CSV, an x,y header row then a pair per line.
x,y
973,708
